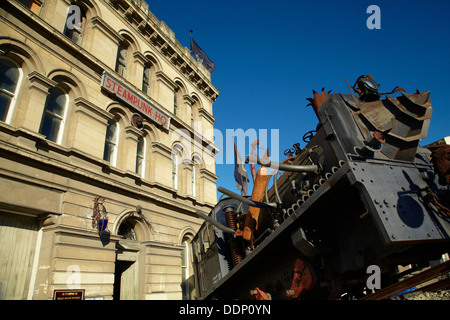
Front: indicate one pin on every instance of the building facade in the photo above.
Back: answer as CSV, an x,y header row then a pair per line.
x,y
106,151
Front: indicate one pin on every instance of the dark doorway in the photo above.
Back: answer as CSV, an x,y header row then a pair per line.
x,y
120,270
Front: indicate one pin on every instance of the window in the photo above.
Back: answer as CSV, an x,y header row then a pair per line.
x,y
194,110
194,193
52,123
126,230
140,157
10,78
146,80
33,5
175,102
121,62
112,133
196,162
186,287
75,33
175,171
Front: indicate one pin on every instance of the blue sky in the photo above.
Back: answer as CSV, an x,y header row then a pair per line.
x,y
270,55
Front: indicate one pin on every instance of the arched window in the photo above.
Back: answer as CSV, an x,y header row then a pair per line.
x,y
10,78
175,171
126,230
121,61
185,270
195,170
175,101
194,112
194,186
146,80
111,142
140,157
52,124
73,30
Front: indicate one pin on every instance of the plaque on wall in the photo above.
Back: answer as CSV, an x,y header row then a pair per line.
x,y
70,294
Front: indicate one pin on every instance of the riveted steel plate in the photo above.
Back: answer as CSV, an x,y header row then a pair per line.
x,y
392,193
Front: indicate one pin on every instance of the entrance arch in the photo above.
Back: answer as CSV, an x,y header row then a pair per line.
x,y
127,264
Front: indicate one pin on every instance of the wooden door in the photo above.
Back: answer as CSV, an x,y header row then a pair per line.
x,y
18,237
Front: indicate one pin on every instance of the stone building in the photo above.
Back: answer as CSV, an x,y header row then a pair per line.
x,y
103,115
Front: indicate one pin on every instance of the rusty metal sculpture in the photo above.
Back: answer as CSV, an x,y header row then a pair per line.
x,y
361,192
318,100
440,158
261,181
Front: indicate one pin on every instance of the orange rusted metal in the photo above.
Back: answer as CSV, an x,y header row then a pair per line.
x,y
251,219
318,100
303,279
260,295
380,135
440,158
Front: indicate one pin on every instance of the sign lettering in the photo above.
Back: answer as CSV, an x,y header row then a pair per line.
x,y
130,97
76,294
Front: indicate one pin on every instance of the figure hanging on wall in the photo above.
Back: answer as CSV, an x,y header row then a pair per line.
x,y
100,218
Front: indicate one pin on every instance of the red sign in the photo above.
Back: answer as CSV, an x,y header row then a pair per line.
x,y
133,99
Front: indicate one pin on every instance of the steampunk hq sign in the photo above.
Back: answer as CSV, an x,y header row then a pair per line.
x,y
133,99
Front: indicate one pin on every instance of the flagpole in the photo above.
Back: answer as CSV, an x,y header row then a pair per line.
x,y
201,56
190,42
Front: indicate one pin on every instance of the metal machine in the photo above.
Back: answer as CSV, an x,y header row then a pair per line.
x,y
361,192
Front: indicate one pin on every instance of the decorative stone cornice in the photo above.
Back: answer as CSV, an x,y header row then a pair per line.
x,y
162,149
100,24
187,98
90,109
40,81
158,34
139,57
166,80
132,132
208,175
205,114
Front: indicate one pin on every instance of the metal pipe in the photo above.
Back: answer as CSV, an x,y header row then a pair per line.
x,y
275,188
282,166
214,222
246,200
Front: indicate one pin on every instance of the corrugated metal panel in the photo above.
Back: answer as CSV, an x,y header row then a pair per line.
x,y
17,248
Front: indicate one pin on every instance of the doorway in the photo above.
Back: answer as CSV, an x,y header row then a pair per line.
x,y
126,272
125,281
18,236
